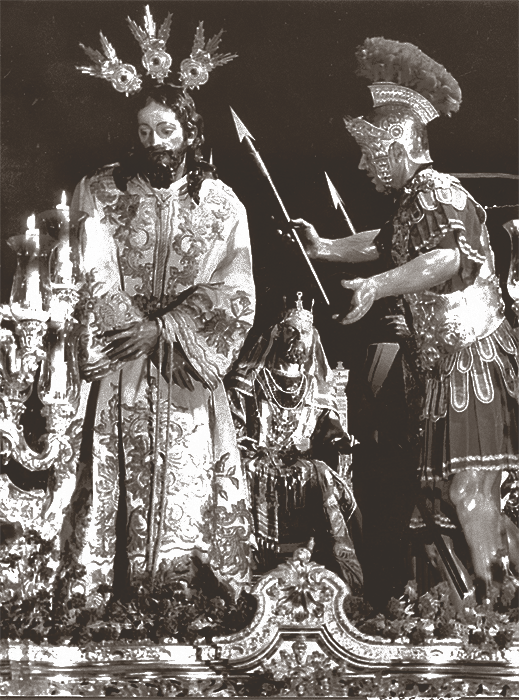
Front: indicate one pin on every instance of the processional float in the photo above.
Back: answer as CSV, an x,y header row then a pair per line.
x,y
300,634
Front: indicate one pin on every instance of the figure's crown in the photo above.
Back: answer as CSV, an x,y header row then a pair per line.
x,y
299,317
194,71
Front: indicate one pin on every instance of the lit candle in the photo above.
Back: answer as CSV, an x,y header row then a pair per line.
x,y
64,264
33,298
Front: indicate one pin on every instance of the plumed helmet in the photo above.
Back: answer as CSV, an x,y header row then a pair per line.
x,y
409,90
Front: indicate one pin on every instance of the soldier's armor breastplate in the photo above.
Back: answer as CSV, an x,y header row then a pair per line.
x,y
469,307
446,323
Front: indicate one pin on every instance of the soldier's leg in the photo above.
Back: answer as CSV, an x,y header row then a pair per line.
x,y
476,496
437,562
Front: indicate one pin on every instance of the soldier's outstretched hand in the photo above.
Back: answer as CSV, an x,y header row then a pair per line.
x,y
364,295
307,235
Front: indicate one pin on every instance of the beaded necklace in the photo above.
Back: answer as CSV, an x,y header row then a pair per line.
x,y
271,387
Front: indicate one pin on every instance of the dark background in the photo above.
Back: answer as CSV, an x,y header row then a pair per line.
x,y
291,85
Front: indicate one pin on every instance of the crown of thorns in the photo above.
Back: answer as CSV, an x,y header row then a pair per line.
x,y
194,70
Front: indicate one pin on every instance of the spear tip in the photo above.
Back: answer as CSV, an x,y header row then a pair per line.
x,y
335,195
240,126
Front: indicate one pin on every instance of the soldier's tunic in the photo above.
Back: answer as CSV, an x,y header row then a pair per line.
x,y
466,345
173,449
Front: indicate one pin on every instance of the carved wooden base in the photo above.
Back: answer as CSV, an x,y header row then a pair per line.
x,y
299,643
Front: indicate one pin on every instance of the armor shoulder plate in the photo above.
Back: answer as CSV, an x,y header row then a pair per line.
x,y
454,196
427,200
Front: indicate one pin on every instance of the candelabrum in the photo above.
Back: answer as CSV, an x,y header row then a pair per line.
x,y
38,350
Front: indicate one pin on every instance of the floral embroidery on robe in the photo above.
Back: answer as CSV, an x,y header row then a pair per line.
x,y
164,454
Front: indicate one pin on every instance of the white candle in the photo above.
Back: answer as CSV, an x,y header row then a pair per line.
x,y
15,362
64,264
33,298
58,371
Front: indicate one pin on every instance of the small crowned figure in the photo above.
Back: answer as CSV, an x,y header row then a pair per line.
x,y
283,401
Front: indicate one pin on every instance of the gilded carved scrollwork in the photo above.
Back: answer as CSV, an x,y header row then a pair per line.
x,y
318,652
303,600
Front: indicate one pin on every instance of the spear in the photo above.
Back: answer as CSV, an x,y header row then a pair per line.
x,y
244,133
338,203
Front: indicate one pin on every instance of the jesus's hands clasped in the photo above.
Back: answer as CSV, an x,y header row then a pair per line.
x,y
129,343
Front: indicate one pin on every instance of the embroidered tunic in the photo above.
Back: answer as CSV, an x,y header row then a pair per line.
x,y
156,253
466,346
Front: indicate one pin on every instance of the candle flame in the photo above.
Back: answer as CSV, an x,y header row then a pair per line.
x,y
64,199
31,222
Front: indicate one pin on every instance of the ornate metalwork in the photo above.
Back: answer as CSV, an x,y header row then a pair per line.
x,y
36,334
303,599
390,93
194,71
307,653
